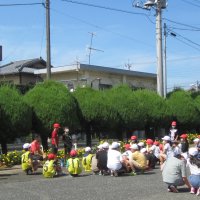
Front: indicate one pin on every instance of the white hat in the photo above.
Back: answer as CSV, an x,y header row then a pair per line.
x,y
167,138
26,146
115,145
100,146
196,140
87,149
141,144
193,151
134,146
105,145
143,150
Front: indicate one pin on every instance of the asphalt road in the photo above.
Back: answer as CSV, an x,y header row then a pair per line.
x,y
15,185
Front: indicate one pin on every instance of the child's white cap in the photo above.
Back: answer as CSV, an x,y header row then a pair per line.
x,y
87,149
105,145
141,144
143,150
196,140
26,146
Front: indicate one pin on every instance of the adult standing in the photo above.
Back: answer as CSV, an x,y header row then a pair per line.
x,y
55,138
67,140
173,132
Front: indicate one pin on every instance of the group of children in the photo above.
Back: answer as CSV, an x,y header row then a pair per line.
x,y
109,160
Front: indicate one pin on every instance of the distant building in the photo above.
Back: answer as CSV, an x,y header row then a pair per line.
x,y
21,72
99,77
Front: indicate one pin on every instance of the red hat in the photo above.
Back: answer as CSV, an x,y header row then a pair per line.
x,y
51,156
149,141
56,125
174,123
184,136
127,146
73,153
156,143
133,137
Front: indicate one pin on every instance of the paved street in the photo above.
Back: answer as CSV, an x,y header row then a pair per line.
x,y
16,185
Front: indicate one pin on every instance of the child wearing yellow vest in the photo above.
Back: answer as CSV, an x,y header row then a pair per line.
x,y
26,160
49,168
87,160
73,164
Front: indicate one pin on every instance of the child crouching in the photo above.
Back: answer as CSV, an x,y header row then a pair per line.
x,y
73,164
51,168
87,160
28,165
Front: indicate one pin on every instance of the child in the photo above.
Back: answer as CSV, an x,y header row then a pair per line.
x,y
50,168
87,160
194,165
73,164
28,165
167,149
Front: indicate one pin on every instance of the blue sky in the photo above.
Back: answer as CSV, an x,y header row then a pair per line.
x,y
123,38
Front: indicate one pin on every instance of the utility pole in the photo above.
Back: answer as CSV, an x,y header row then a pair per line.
x,y
165,61
159,48
158,5
48,43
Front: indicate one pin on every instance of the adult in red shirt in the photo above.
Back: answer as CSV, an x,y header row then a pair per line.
x,y
35,148
55,138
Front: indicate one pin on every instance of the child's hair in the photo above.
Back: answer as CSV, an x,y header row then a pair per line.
x,y
195,161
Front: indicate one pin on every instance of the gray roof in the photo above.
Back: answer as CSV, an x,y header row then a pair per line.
x,y
25,66
116,70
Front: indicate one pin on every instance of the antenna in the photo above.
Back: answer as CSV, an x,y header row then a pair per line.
x,y
128,65
90,47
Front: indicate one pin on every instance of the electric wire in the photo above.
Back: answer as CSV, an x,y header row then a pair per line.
x,y
179,23
102,28
20,4
109,8
190,3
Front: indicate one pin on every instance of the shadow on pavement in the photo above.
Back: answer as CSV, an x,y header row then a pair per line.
x,y
183,190
2,175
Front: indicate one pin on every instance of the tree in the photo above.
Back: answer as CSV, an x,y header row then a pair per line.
x,y
51,102
153,108
125,103
197,104
85,98
15,116
181,106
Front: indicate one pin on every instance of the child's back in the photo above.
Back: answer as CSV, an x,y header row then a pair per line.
x,y
49,169
73,164
87,162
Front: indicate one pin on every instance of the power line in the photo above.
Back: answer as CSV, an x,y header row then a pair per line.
x,y
184,29
109,8
102,28
180,23
20,4
187,43
186,39
189,2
